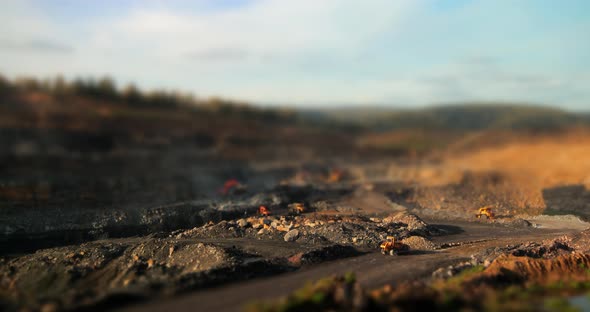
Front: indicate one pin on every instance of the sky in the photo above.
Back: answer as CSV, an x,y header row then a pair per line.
x,y
310,53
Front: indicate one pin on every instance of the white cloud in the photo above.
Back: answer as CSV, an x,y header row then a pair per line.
x,y
263,29
304,51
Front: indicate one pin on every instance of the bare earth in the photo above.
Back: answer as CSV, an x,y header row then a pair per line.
x,y
372,270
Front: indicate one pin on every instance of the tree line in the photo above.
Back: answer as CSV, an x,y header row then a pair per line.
x,y
105,89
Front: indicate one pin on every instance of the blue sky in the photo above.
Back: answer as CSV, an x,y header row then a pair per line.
x,y
312,52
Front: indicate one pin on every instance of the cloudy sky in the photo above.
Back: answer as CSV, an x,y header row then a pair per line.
x,y
312,52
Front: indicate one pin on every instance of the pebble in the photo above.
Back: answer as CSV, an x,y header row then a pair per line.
x,y
292,235
242,223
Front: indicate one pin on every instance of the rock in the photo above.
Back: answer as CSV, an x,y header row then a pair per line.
x,y
451,270
242,223
414,224
520,223
256,226
418,243
292,235
321,205
275,224
282,228
439,273
296,259
262,231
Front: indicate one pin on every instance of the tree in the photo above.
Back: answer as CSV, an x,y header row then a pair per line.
x,y
131,95
28,84
5,86
59,86
106,89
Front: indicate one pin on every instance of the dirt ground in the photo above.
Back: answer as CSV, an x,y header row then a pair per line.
x,y
199,245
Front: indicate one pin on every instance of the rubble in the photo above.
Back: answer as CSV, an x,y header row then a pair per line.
x,y
243,223
291,236
413,223
548,249
234,241
419,243
451,270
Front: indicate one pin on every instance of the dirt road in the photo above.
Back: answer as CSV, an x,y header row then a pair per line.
x,y
372,269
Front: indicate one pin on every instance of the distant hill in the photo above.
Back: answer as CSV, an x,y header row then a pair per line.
x,y
56,116
468,116
102,96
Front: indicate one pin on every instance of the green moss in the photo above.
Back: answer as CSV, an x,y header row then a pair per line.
x,y
465,274
461,292
350,278
313,296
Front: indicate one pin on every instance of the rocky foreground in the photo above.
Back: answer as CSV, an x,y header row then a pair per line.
x,y
552,275
117,271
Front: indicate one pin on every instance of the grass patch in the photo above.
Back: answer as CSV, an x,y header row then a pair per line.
x,y
316,296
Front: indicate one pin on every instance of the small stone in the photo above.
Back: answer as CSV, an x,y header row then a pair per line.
x,y
296,259
282,228
439,273
256,226
242,223
262,231
292,235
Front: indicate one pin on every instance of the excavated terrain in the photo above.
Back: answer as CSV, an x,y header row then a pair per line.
x,y
126,270
546,276
148,234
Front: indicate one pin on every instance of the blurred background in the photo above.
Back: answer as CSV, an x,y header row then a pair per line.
x,y
109,109
149,139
